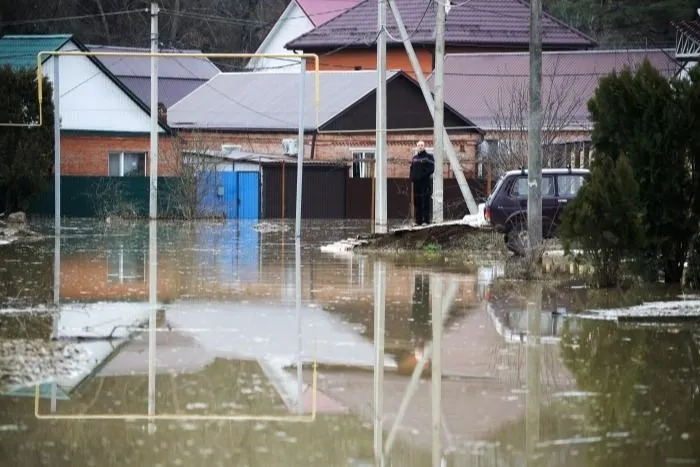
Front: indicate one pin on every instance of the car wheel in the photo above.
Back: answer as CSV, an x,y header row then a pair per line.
x,y
518,240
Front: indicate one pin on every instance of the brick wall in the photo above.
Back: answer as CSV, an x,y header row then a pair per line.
x,y
338,147
88,154
366,59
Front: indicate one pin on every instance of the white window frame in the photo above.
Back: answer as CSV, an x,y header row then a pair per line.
x,y
365,166
119,276
121,161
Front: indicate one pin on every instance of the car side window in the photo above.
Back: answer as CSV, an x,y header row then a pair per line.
x,y
520,189
570,184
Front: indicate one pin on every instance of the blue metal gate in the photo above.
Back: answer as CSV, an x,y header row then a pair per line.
x,y
248,192
233,195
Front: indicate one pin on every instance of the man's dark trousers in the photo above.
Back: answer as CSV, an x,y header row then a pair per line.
x,y
422,200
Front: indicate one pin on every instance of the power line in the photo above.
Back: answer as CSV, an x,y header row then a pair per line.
x,y
71,18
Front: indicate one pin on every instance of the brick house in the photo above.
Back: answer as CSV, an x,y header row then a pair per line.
x,y
105,127
259,112
348,41
498,99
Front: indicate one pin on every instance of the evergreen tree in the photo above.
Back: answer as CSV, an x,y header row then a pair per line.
x,y
644,115
604,219
26,153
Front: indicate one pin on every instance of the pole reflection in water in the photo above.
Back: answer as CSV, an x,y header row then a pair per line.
x,y
379,329
297,300
446,303
56,299
153,305
532,349
436,367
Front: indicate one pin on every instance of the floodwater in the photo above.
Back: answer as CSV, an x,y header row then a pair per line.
x,y
215,344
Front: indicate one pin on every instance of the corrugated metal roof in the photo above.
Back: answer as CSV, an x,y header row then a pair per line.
x,y
486,87
474,23
170,90
179,67
20,51
269,101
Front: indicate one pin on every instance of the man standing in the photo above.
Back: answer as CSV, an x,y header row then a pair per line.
x,y
422,168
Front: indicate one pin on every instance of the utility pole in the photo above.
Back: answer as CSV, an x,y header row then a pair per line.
x,y
153,194
534,160
420,76
439,118
380,219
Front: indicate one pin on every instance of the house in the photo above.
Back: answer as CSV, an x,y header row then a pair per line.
x,y
177,76
259,112
300,16
498,98
105,126
348,41
687,43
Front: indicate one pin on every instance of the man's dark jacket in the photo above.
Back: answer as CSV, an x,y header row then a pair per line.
x,y
422,167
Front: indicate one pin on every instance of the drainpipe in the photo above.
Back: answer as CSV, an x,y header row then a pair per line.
x,y
313,144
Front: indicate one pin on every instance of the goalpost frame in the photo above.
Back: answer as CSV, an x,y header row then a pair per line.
x,y
154,137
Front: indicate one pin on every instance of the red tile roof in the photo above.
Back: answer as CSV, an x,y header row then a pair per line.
x,y
484,23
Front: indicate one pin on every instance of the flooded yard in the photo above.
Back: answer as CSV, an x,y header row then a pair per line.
x,y
229,344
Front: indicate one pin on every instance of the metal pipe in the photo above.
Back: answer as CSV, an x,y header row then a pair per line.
x,y
300,149
57,146
153,192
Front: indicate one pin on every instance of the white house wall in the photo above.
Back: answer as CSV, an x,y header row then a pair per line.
x,y
90,100
292,23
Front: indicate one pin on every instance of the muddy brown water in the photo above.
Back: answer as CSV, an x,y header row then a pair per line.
x,y
214,331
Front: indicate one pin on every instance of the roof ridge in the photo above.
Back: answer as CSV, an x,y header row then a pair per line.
x,y
362,2
558,52
561,23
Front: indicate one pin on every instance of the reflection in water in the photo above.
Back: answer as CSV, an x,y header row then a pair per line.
x,y
195,334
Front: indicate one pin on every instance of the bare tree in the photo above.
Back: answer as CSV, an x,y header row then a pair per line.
x,y
194,192
561,99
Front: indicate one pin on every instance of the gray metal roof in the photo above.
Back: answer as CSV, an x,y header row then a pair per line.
x,y
176,67
177,76
491,88
170,90
269,101
487,23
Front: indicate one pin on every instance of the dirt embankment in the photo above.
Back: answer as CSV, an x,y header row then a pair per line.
x,y
449,237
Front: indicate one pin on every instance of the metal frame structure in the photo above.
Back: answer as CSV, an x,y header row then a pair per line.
x,y
687,45
154,55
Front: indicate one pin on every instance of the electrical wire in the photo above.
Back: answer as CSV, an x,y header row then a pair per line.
x,y
70,18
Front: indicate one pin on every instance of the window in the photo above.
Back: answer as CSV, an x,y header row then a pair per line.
x,y
569,184
362,163
520,189
126,164
126,266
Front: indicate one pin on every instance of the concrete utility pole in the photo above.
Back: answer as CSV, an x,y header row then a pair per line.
x,y
415,64
380,219
534,160
439,119
153,194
